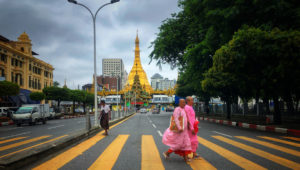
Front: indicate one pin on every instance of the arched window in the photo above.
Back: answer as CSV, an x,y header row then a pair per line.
x,y
22,49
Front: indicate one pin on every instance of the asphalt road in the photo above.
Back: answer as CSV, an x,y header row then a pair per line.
x,y
136,144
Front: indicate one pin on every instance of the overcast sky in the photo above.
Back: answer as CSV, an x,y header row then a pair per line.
x,y
62,33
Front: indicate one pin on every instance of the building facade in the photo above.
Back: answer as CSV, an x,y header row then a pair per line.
x,y
109,83
18,64
160,83
114,67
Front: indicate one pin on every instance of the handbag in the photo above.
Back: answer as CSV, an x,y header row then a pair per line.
x,y
173,126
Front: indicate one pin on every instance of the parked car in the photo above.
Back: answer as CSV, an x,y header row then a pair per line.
x,y
169,109
79,110
4,111
143,110
31,114
52,113
155,111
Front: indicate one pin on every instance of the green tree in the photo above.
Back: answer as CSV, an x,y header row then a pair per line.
x,y
8,88
77,96
57,93
88,100
191,37
37,96
259,64
55,83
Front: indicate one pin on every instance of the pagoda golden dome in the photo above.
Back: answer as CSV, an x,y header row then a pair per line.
x,y
137,69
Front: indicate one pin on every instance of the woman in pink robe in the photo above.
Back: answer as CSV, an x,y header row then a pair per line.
x,y
179,142
193,125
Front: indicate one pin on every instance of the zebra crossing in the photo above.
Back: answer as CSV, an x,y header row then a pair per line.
x,y
282,151
151,157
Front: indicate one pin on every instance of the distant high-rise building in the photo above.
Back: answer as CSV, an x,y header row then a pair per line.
x,y
159,83
114,67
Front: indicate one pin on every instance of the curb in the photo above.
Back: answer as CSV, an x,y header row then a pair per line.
x,y
253,126
16,161
6,123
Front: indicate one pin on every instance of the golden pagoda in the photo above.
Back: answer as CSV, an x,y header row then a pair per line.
x,y
137,69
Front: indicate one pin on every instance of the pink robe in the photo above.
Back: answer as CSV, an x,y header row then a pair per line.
x,y
192,118
178,141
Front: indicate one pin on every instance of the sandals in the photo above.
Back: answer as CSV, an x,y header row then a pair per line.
x,y
196,156
166,156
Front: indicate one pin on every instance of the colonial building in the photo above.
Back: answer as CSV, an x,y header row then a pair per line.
x,y
18,64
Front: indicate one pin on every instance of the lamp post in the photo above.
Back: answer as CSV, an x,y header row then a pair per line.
x,y
95,70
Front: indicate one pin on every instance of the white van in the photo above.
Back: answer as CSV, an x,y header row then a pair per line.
x,y
4,111
31,114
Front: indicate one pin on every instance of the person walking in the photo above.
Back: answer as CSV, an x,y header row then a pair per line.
x,y
178,141
104,116
193,125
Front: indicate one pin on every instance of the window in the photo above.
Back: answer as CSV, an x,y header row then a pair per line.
x,y
29,81
21,64
22,49
29,67
12,61
16,63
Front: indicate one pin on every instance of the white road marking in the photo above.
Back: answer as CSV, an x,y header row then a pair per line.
x,y
159,133
81,121
153,125
24,133
55,126
222,134
11,129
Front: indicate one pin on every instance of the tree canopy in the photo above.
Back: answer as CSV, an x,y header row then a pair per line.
x,y
8,88
37,96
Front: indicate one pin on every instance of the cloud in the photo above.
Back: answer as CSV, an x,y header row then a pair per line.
x,y
62,33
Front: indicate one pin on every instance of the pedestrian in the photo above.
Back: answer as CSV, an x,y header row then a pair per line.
x,y
104,116
178,141
193,125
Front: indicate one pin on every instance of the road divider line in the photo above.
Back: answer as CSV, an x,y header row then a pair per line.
x,y
280,141
110,155
11,140
222,134
292,138
24,133
270,145
65,157
22,143
150,154
158,131
153,125
236,159
54,127
258,152
33,146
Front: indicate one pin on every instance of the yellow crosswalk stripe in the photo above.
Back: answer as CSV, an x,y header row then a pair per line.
x,y
150,154
201,164
22,143
236,159
280,141
292,138
48,141
110,155
266,155
11,140
65,157
270,145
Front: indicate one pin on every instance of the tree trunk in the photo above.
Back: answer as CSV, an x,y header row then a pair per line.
x,y
84,106
289,103
267,105
58,105
228,105
277,115
73,107
206,106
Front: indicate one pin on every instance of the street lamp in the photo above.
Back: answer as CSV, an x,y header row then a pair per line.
x,y
95,70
